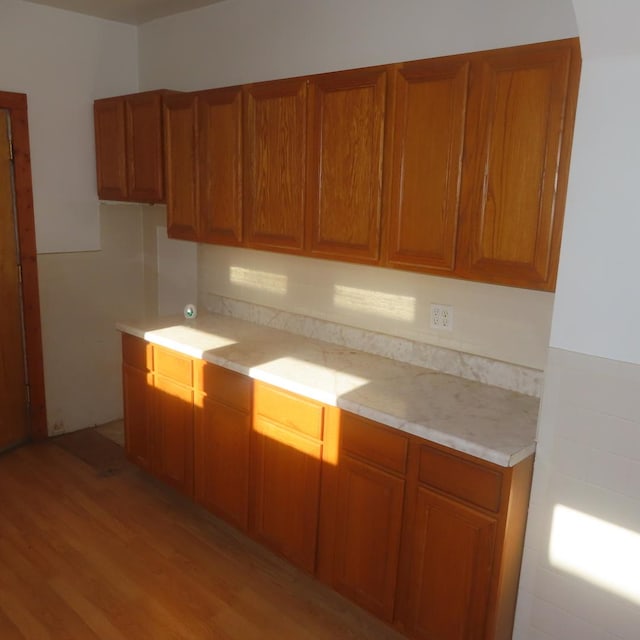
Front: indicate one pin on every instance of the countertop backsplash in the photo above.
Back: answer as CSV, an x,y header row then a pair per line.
x,y
505,375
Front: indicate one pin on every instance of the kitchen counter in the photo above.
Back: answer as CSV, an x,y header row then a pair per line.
x,y
494,424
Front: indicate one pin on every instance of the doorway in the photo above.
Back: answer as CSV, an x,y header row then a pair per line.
x,y
14,394
22,407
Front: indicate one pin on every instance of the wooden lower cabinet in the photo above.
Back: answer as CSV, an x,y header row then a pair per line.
x,y
173,433
451,557
221,444
137,379
362,504
426,538
286,470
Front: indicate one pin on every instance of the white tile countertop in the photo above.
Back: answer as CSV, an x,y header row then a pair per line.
x,y
494,424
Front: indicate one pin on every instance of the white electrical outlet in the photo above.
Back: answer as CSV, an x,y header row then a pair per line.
x,y
442,317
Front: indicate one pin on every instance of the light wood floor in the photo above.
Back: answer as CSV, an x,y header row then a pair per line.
x,y
85,555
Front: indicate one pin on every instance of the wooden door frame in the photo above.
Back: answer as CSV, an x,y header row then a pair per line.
x,y
16,105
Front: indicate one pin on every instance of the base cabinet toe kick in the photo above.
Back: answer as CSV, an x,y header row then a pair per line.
x,y
424,537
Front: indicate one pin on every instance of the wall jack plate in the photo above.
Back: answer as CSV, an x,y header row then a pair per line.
x,y
442,317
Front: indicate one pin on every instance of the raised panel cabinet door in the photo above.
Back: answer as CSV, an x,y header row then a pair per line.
x,y
367,538
286,491
346,140
137,389
181,169
173,434
221,462
450,558
429,120
521,112
111,154
144,147
220,162
275,161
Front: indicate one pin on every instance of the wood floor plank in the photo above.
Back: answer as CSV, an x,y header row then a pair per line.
x,y
119,556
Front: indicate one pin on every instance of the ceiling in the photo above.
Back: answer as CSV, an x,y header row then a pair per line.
x,y
129,11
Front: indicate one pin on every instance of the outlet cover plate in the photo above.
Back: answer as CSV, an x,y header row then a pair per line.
x,y
441,317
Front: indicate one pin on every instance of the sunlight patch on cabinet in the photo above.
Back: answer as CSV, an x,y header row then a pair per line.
x,y
387,305
597,551
259,280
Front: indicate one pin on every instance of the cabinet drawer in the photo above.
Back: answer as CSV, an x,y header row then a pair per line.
x,y
227,387
469,481
173,365
374,443
137,352
288,410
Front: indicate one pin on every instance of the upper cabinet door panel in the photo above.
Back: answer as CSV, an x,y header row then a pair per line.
x,y
111,164
275,153
521,118
180,138
346,131
220,162
429,120
144,147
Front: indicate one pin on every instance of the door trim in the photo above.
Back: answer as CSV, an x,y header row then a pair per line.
x,y
16,104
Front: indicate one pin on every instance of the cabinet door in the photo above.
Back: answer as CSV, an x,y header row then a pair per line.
x,y
221,470
220,164
173,433
429,119
346,130
367,538
180,140
111,159
144,147
521,106
137,390
275,157
450,555
286,491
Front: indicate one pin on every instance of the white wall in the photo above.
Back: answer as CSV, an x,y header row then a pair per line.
x,y
597,300
82,296
581,569
239,41
63,61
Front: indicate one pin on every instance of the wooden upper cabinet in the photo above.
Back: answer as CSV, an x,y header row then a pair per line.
x,y
521,111
220,163
426,166
111,145
180,142
129,147
346,136
144,147
275,154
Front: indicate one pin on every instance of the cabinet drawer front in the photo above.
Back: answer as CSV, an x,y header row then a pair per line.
x,y
478,485
373,442
173,365
289,410
227,387
137,353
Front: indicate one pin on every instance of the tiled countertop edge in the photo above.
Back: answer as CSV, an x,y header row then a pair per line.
x,y
505,375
